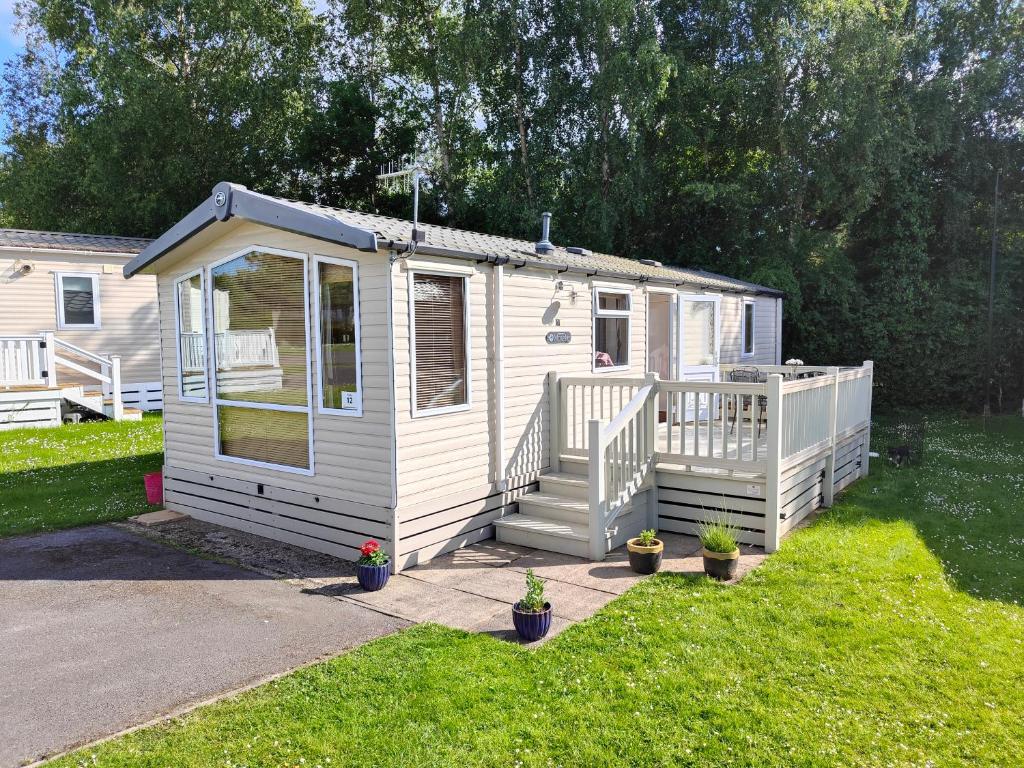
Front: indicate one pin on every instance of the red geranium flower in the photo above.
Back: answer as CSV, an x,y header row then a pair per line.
x,y
369,548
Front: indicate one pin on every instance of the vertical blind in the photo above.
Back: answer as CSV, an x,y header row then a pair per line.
x,y
439,307
340,384
191,338
261,358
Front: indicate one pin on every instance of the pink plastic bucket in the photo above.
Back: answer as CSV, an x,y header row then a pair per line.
x,y
154,487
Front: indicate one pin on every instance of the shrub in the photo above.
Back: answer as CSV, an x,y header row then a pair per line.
x,y
534,599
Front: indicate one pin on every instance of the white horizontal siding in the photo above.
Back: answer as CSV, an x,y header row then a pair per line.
x,y
352,455
128,312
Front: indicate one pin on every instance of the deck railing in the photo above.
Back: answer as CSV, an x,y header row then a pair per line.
x,y
621,455
33,361
761,430
22,361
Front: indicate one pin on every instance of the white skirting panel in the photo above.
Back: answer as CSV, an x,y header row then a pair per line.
x,y
146,396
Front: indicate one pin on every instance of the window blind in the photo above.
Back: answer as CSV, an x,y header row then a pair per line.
x,y
439,307
191,337
339,362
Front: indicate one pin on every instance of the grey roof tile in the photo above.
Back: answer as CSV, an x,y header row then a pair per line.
x,y
70,241
399,230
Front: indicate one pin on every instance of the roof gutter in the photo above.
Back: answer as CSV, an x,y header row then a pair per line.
x,y
491,258
228,200
66,251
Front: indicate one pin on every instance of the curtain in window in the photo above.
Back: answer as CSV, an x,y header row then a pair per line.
x,y
439,306
748,328
611,330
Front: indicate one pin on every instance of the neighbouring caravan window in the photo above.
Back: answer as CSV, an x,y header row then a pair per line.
x,y
440,343
611,329
260,341
338,335
78,300
747,332
191,338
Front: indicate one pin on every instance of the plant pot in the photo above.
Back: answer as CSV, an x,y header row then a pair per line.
x,y
154,482
531,625
645,559
373,577
721,565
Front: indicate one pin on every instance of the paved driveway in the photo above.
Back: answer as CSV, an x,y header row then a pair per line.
x,y
101,630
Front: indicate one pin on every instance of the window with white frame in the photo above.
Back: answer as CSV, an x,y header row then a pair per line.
x,y
78,300
338,358
189,308
747,330
440,342
611,329
260,344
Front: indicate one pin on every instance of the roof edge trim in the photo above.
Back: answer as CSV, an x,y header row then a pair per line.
x,y
228,200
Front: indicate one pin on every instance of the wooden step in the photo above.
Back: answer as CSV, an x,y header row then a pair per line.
x,y
564,484
567,508
543,533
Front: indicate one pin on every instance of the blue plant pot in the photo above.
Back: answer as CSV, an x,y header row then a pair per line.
x,y
373,577
531,626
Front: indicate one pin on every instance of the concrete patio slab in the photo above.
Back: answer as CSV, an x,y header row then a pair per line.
x,y
158,517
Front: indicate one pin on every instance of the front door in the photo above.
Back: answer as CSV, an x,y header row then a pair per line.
x,y
700,325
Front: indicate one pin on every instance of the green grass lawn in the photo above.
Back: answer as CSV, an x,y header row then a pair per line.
x,y
889,633
76,474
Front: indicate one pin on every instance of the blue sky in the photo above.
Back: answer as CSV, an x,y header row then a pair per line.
x,y
10,43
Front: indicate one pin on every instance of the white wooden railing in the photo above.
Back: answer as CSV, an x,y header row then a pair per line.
x,y
621,455
21,361
33,361
626,426
714,424
244,349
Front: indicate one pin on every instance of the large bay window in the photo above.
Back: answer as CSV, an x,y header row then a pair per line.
x,y
260,341
338,356
188,309
440,343
611,329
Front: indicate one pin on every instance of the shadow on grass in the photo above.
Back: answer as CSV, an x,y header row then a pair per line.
x,y
962,494
52,498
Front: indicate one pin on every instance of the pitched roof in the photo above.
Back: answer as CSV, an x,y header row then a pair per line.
x,y
368,232
70,241
393,230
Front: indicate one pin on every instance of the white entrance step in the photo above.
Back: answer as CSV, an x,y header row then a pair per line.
x,y
552,507
564,484
543,533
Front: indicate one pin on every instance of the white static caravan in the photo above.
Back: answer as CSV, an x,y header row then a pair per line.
x,y
331,376
71,327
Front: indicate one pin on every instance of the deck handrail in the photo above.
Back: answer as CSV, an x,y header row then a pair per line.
x,y
109,374
621,454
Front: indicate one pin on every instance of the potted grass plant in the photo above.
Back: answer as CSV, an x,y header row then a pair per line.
x,y
645,552
373,569
531,616
721,551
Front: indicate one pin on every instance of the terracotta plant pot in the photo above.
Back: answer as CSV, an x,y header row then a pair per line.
x,y
721,565
531,625
645,559
373,577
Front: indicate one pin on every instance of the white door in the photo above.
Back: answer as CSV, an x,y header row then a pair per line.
x,y
700,325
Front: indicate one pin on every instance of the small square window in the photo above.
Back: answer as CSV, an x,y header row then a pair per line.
x,y
611,329
78,304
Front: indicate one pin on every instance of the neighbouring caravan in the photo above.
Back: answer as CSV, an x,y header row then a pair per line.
x,y
72,327
328,376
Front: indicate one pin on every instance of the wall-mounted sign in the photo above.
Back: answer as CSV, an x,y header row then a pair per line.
x,y
558,337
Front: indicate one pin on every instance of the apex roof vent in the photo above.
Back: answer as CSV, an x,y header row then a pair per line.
x,y
651,263
544,245
578,250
